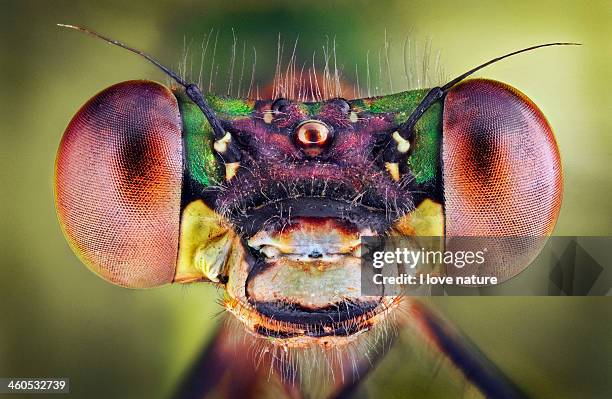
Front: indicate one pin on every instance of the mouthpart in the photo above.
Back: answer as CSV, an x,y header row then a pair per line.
x,y
305,283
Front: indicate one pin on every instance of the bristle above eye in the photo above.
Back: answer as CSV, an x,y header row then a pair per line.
x,y
118,183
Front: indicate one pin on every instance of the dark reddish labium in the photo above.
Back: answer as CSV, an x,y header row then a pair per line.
x,y
118,183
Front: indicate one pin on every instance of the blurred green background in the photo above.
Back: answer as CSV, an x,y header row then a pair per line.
x,y
59,319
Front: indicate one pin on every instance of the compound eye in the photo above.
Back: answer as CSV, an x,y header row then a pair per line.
x,y
502,174
118,184
312,137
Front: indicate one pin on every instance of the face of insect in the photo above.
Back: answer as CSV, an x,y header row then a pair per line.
x,y
271,199
276,208
306,181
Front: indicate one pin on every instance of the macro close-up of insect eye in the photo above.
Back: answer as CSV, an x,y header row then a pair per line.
x,y
307,201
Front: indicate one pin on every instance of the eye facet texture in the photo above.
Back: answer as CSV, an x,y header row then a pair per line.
x,y
501,167
118,183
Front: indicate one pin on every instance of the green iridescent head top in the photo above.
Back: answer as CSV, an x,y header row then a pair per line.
x,y
202,162
423,160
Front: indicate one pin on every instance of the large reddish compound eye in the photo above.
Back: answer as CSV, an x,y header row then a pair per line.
x,y
502,171
118,183
312,137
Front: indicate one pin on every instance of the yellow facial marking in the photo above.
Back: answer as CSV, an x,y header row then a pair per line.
x,y
221,145
268,117
393,169
204,243
426,220
230,170
403,145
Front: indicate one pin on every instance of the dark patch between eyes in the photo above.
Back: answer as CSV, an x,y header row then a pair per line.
x,y
281,213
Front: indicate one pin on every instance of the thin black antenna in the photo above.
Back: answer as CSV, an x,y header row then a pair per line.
x,y
438,93
191,89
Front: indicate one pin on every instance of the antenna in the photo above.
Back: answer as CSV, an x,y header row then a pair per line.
x,y
438,93
192,90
